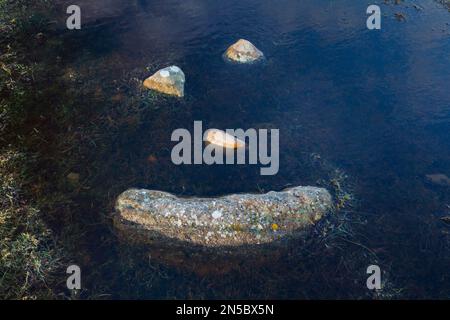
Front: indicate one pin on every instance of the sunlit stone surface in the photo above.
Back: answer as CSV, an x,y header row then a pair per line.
x,y
243,51
169,81
188,232
222,139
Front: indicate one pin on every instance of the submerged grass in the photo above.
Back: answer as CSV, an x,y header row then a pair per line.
x,y
29,258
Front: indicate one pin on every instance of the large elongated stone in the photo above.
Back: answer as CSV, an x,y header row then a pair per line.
x,y
217,234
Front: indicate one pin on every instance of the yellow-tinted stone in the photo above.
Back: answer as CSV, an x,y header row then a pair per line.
x,y
222,139
169,81
243,51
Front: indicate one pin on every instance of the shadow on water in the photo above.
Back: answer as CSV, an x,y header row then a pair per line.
x,y
370,105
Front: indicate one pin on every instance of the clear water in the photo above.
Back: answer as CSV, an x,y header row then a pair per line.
x,y
374,105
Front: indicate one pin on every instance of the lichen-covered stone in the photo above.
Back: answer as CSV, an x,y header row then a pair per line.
x,y
217,234
169,81
243,51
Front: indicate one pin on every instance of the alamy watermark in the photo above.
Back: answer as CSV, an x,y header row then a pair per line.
x,y
74,280
252,147
374,20
374,280
73,22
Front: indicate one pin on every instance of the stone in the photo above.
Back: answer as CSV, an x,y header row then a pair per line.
x,y
446,220
152,159
222,139
169,81
73,178
40,38
438,179
243,51
215,235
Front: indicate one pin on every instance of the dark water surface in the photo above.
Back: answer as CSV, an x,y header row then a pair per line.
x,y
372,105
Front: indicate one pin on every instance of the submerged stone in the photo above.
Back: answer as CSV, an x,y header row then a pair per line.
x,y
218,234
73,178
438,179
243,51
222,139
169,81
